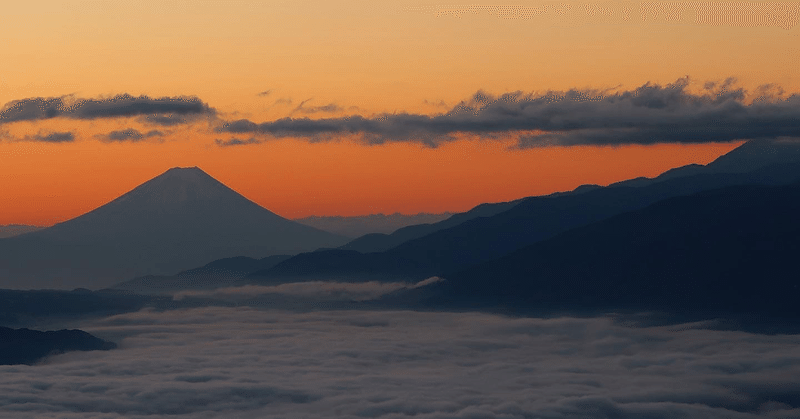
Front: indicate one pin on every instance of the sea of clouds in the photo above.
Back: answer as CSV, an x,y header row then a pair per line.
x,y
243,362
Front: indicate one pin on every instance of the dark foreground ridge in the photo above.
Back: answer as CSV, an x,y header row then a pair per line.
x,y
730,250
486,238
24,308
25,346
220,273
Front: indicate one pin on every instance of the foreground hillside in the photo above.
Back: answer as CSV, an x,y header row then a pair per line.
x,y
485,238
357,226
25,346
727,250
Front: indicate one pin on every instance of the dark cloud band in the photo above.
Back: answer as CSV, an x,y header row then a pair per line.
x,y
649,114
123,105
237,141
129,135
52,137
41,137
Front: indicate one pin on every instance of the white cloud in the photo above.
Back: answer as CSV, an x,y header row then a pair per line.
x,y
314,290
242,362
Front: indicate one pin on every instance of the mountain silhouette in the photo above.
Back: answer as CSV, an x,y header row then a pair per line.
x,y
25,346
179,220
217,274
748,157
360,225
755,154
729,250
20,308
16,229
379,242
529,221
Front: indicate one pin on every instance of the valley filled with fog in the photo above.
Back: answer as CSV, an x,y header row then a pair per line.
x,y
244,362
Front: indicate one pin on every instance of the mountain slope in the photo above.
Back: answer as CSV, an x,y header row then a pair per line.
x,y
748,157
727,250
217,274
357,226
24,346
755,154
181,219
487,238
16,229
378,242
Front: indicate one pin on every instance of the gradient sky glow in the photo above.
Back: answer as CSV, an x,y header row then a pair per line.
x,y
263,61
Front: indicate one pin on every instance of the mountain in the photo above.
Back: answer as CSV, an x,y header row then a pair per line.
x,y
12,230
24,346
730,250
749,156
755,154
26,308
181,219
217,274
358,226
529,221
378,242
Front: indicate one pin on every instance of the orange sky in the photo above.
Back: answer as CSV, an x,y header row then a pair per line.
x,y
366,59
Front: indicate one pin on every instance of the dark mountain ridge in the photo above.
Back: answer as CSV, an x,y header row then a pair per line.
x,y
25,346
749,156
729,250
12,230
360,225
487,238
217,274
379,242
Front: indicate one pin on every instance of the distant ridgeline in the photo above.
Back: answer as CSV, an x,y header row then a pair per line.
x,y
23,308
491,231
357,226
475,255
486,258
24,346
725,250
12,230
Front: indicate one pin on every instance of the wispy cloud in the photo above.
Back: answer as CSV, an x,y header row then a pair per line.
x,y
53,137
168,120
329,108
41,136
129,135
237,141
124,105
648,114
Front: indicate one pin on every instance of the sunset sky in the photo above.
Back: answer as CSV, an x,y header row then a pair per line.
x,y
350,108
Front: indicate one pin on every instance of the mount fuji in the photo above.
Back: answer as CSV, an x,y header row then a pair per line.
x,y
178,220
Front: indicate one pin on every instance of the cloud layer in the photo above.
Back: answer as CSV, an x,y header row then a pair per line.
x,y
311,290
123,105
129,135
42,136
241,362
649,114
680,112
